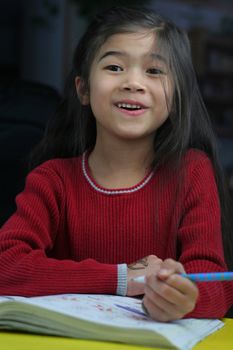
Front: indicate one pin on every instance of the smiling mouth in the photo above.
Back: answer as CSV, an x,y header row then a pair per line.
x,y
130,107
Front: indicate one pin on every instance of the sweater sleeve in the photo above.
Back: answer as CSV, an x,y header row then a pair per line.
x,y
28,236
201,241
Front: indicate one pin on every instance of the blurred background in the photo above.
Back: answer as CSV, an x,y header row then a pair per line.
x,y
37,40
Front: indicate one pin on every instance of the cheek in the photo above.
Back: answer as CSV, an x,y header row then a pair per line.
x,y
102,94
167,96
101,88
98,100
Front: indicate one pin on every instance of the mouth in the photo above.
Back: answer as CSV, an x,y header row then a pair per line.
x,y
130,106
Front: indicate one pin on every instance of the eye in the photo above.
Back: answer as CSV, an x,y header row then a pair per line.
x,y
155,71
114,68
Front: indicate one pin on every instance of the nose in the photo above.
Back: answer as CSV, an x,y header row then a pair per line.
x,y
133,83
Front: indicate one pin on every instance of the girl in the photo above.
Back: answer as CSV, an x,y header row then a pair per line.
x,y
126,179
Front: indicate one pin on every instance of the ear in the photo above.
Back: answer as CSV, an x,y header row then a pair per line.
x,y
82,92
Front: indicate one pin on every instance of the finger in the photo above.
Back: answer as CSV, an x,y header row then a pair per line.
x,y
169,267
158,311
153,259
169,298
154,265
183,285
145,309
170,264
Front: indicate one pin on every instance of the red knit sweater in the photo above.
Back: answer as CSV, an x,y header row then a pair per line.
x,y
69,235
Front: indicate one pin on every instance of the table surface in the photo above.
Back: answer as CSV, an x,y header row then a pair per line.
x,y
220,340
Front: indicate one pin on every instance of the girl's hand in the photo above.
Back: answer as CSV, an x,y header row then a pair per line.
x,y
169,296
143,267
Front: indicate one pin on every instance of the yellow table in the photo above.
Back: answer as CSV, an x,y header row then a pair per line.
x,y
220,340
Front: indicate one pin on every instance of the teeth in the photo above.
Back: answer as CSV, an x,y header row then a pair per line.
x,y
127,105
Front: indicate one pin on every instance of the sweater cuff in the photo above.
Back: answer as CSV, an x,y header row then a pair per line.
x,y
122,280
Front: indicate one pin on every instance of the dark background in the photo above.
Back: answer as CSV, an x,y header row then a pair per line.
x,y
37,39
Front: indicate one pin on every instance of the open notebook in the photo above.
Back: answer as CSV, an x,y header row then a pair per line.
x,y
100,317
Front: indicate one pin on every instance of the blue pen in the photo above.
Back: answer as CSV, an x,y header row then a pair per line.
x,y
200,277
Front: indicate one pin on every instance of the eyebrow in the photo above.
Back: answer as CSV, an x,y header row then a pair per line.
x,y
153,55
112,53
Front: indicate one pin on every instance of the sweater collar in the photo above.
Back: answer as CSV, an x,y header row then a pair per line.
x,y
98,188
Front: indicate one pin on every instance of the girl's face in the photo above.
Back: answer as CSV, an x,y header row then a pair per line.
x,y
130,87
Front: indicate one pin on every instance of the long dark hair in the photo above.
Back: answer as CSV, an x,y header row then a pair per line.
x,y
72,130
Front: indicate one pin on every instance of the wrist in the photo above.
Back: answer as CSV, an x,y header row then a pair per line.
x,y
134,287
